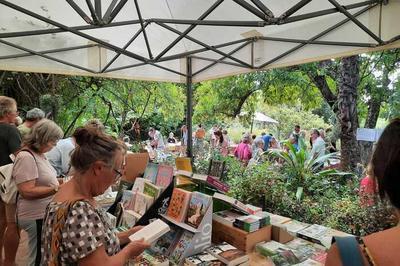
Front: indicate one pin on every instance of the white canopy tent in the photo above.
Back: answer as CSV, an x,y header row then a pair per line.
x,y
260,117
188,40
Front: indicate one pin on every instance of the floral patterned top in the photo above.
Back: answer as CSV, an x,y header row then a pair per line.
x,y
86,228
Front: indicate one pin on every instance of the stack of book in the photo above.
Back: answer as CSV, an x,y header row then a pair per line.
x,y
228,254
251,223
294,252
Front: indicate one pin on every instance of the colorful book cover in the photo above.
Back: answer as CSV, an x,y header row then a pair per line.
x,y
167,242
179,204
214,182
149,258
151,172
181,246
128,199
269,248
164,175
228,254
198,206
151,190
284,257
183,163
203,259
138,186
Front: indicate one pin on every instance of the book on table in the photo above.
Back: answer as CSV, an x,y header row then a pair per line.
x,y
179,204
294,226
181,246
128,199
165,175
149,258
150,173
203,259
142,203
228,254
151,232
183,163
152,190
226,217
138,186
198,206
166,244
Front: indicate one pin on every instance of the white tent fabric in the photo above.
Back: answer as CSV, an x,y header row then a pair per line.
x,y
260,117
238,36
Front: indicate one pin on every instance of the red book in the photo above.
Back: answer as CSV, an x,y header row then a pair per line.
x,y
179,204
213,181
164,175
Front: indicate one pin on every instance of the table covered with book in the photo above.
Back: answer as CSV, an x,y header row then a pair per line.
x,y
190,220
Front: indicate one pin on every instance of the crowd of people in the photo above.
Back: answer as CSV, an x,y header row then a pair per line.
x,y
63,223
65,226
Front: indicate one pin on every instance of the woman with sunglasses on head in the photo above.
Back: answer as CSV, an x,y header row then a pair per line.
x,y
76,231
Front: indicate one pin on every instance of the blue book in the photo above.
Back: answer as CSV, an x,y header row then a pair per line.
x,y
150,173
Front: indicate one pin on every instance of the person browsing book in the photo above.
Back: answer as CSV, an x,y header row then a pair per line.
x,y
83,236
381,248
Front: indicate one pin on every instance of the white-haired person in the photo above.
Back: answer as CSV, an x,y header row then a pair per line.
x,y
36,181
32,117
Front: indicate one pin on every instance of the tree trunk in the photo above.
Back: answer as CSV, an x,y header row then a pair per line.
x,y
348,119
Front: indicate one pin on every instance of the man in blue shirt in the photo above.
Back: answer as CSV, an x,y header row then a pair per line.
x,y
266,138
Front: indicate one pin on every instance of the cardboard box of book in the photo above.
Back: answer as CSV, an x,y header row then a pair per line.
x,y
239,238
279,232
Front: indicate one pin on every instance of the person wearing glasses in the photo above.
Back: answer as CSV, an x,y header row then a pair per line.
x,y
76,231
10,142
36,181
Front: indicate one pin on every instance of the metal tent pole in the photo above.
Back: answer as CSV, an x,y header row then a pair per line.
x,y
189,106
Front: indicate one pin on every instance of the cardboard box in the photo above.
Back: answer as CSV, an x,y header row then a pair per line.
x,y
239,238
280,234
135,165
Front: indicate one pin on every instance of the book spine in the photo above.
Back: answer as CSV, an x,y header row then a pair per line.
x,y
217,184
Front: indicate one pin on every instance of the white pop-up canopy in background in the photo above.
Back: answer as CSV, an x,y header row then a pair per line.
x,y
150,39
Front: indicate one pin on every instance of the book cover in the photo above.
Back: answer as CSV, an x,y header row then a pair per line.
x,y
151,172
167,242
138,186
149,258
128,199
179,204
164,175
253,209
269,248
181,246
198,206
203,259
303,249
314,233
183,163
151,232
294,226
129,219
142,203
216,183
228,254
152,190
226,217
284,257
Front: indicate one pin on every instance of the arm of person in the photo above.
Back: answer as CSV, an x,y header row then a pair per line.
x,y
30,191
124,236
100,257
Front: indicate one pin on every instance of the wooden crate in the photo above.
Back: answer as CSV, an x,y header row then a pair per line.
x,y
239,238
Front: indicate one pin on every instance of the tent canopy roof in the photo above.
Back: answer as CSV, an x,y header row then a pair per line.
x,y
260,117
150,40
